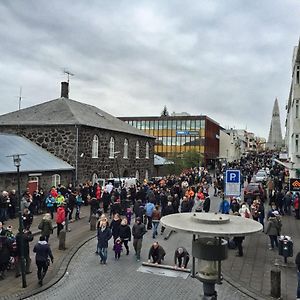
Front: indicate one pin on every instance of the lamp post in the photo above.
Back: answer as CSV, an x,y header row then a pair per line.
x,y
209,247
17,163
118,169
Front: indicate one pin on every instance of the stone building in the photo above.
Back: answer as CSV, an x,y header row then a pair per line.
x,y
94,142
38,167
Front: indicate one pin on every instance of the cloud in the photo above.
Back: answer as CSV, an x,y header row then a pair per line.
x,y
228,60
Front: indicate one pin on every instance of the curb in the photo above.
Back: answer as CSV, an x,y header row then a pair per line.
x,y
60,272
243,290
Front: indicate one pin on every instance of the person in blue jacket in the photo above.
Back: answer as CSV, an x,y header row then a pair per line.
x,y
224,207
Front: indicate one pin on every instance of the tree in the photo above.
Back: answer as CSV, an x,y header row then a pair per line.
x,y
165,112
186,160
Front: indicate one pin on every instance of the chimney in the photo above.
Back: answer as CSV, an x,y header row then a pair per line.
x,y
64,89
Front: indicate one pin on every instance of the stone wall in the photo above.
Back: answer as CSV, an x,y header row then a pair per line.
x,y
61,141
103,165
10,182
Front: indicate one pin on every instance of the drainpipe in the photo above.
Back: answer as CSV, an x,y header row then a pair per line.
x,y
76,156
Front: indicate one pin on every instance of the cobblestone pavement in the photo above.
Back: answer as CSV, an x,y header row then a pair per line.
x,y
120,279
87,279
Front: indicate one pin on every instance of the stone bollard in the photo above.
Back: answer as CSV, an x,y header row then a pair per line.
x,y
62,240
93,222
276,283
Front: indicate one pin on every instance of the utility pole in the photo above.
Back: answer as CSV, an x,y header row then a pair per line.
x,y
20,97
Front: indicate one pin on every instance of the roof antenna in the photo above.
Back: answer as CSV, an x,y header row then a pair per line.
x,y
68,74
20,97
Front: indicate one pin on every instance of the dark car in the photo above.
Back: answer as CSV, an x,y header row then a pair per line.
x,y
252,190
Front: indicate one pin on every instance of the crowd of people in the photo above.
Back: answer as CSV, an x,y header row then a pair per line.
x,y
147,202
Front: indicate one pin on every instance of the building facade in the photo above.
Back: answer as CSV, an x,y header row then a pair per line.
x,y
95,143
181,133
292,122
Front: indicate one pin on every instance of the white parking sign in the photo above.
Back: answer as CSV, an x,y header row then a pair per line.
x,y
233,183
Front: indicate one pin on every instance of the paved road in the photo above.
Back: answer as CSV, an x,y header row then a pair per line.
x,y
87,279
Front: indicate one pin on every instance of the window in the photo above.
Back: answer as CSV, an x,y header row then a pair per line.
x,y
112,148
125,149
297,75
95,147
137,174
55,180
146,174
147,150
137,150
297,109
297,143
111,175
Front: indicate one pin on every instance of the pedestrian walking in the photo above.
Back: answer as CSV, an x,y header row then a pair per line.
x,y
104,234
155,221
273,230
125,234
27,238
118,248
149,211
42,252
115,226
138,231
60,218
46,226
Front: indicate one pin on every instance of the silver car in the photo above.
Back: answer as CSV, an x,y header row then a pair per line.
x,y
261,176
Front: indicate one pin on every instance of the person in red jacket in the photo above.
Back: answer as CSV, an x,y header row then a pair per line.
x,y
296,206
60,218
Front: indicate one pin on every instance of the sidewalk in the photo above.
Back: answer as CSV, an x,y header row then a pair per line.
x,y
11,287
252,271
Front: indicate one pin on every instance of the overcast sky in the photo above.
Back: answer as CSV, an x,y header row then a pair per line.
x,y
225,59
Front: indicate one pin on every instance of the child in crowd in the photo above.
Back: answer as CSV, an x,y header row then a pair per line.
x,y
128,215
118,248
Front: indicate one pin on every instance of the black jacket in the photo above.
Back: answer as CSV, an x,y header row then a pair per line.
x,y
206,204
160,252
125,232
103,237
183,255
115,227
27,237
138,230
42,251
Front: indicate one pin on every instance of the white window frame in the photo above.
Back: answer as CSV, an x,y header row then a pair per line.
x,y
111,175
126,143
112,148
137,174
55,180
147,150
146,174
137,149
95,147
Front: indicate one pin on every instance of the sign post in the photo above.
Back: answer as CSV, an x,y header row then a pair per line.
x,y
233,183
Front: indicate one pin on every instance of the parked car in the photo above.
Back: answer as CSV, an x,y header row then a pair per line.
x,y
261,176
252,190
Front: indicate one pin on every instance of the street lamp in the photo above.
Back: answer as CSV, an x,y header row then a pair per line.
x,y
209,246
118,169
17,164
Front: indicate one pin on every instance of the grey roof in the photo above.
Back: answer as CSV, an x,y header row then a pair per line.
x,y
64,111
36,159
161,161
